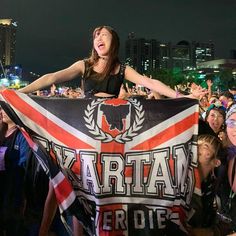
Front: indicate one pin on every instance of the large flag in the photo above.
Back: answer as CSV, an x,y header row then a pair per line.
x,y
125,167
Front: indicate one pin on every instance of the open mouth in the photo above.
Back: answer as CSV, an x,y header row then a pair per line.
x,y
101,45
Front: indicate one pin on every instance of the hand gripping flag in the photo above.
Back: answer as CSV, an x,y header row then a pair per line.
x,y
123,167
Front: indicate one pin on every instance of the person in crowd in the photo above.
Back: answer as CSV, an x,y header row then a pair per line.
x,y
215,117
204,216
153,95
226,191
103,73
3,128
14,152
24,185
226,98
204,100
36,193
73,93
203,104
209,89
53,91
232,90
36,190
214,99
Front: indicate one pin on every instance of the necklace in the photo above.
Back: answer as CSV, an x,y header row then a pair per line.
x,y
103,58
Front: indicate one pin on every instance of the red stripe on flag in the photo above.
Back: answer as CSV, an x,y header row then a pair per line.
x,y
181,212
168,133
29,140
42,121
63,190
197,178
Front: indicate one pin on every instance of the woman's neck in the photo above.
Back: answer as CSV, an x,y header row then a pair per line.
x,y
100,65
10,129
103,58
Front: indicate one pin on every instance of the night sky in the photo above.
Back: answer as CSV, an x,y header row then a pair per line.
x,y
52,34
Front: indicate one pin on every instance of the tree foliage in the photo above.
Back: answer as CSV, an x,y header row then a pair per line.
x,y
222,80
171,77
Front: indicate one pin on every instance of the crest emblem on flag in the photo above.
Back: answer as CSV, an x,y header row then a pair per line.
x,y
126,130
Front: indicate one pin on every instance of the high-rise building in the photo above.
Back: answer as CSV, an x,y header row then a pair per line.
x,y
202,51
164,55
141,54
147,55
7,41
181,55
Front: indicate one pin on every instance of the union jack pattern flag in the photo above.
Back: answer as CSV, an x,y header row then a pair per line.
x,y
123,167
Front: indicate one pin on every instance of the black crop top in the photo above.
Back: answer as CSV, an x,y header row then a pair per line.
x,y
110,85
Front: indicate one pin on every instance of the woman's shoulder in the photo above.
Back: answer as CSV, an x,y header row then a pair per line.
x,y
77,68
88,63
79,63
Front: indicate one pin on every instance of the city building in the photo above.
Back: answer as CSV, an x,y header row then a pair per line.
x,y
202,51
218,64
141,54
12,75
7,41
181,56
164,55
188,54
221,71
147,55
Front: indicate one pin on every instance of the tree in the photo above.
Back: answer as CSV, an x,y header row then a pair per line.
x,y
225,76
169,77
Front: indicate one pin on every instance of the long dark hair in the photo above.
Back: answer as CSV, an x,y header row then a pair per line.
x,y
3,130
113,59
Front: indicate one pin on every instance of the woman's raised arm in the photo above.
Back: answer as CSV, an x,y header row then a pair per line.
x,y
76,69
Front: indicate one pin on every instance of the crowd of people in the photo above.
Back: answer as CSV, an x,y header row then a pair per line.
x,y
24,212
215,210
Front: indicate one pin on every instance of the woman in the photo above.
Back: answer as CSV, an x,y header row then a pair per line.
x,y
215,117
102,72
12,197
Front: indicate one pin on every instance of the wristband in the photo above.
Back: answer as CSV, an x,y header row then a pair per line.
x,y
177,94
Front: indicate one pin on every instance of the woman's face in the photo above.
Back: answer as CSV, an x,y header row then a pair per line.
x,y
5,117
215,120
102,42
231,128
